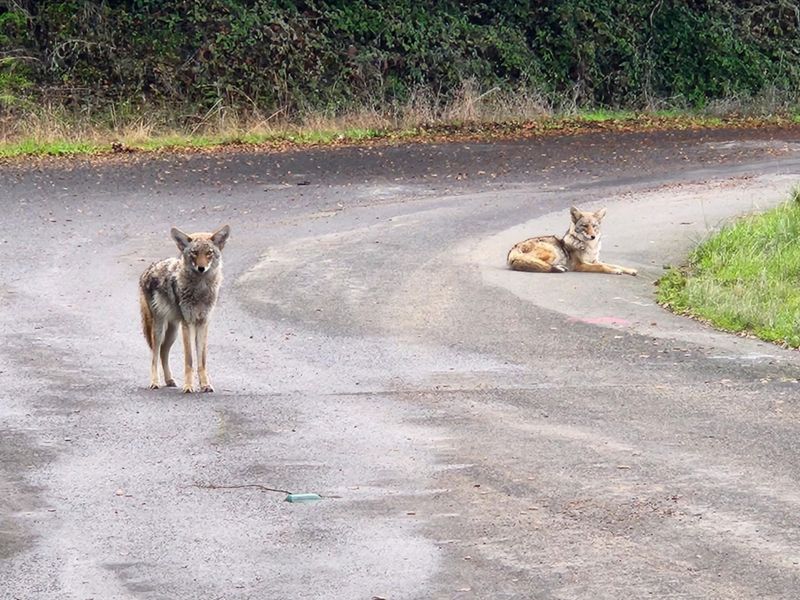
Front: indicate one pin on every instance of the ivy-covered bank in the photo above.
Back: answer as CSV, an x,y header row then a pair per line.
x,y
279,55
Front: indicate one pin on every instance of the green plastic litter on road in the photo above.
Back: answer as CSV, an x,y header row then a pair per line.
x,y
302,498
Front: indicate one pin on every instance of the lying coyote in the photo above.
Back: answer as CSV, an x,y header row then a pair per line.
x,y
578,250
182,291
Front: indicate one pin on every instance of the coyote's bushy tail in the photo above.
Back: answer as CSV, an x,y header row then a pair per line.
x,y
147,319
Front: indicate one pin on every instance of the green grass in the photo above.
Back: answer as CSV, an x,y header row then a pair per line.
x,y
32,147
601,116
746,278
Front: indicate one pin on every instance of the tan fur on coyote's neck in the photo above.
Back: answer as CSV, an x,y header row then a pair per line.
x,y
586,250
197,292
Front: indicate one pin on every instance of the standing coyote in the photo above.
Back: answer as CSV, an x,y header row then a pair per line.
x,y
578,250
182,291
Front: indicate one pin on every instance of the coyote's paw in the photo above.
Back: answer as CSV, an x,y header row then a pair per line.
x,y
633,272
188,389
153,386
207,388
171,383
558,269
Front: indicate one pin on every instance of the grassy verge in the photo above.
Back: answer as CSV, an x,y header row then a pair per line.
x,y
746,278
60,139
52,131
100,140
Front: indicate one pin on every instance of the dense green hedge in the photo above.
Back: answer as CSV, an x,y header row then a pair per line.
x,y
331,54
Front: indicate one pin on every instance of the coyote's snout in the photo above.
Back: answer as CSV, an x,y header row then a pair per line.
x,y
182,291
578,250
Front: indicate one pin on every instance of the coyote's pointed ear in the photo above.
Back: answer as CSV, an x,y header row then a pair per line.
x,y
220,236
180,238
600,214
576,214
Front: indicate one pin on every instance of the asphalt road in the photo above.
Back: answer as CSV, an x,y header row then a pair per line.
x,y
474,432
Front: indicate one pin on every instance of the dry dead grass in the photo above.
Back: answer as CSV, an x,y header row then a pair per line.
x,y
53,124
53,129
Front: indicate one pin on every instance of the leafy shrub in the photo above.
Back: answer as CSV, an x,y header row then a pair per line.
x,y
333,54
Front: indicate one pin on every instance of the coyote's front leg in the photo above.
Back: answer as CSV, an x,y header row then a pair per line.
x,y
189,337
202,356
603,268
